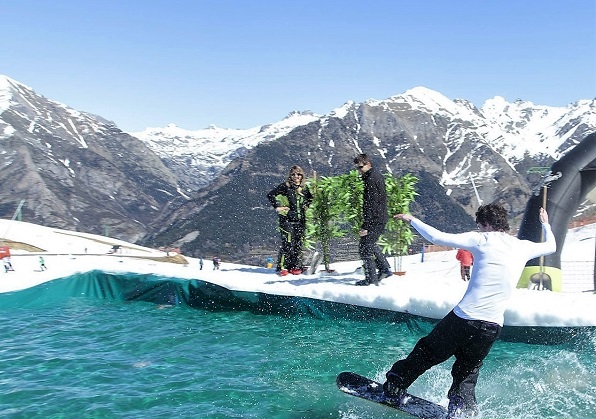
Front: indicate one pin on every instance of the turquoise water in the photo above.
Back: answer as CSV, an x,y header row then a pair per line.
x,y
67,355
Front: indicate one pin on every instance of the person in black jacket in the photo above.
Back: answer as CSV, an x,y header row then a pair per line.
x,y
291,199
374,213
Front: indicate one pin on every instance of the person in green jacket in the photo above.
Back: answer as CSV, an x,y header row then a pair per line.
x,y
42,264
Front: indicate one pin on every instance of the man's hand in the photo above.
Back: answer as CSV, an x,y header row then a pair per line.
x,y
363,233
543,216
404,217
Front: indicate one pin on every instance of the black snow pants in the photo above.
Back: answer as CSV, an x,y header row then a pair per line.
x,y
469,341
371,254
292,236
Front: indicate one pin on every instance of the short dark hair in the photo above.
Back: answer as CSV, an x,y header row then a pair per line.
x,y
362,159
494,215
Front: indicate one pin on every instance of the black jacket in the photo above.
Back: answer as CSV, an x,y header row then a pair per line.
x,y
374,206
297,202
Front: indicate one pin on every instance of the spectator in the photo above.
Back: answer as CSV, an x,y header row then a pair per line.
x,y
290,200
374,214
466,260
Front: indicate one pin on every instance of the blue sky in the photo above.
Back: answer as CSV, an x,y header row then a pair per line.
x,y
241,64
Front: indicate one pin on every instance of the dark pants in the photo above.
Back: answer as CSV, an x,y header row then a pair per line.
x,y
292,235
371,254
465,273
468,340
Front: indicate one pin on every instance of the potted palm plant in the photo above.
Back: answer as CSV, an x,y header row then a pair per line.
x,y
398,237
323,215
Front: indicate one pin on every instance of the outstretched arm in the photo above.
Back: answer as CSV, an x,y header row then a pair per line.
x,y
435,236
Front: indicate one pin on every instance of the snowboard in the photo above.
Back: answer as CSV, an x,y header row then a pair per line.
x,y
315,261
359,386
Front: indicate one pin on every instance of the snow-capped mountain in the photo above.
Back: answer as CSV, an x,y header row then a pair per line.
x,y
516,131
197,157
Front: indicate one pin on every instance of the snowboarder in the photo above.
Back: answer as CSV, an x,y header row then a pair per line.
x,y
470,329
7,265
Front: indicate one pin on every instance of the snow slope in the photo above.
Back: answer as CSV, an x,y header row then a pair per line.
x,y
429,289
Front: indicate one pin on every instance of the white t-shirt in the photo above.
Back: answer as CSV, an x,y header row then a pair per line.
x,y
498,262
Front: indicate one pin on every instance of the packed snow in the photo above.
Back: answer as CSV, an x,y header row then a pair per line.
x,y
430,287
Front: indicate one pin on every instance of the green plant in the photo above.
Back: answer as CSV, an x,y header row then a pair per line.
x,y
337,208
323,215
350,200
401,193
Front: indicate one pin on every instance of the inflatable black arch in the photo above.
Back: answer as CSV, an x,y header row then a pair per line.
x,y
563,189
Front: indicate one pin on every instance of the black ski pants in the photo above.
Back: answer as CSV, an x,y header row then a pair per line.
x,y
469,341
292,236
371,254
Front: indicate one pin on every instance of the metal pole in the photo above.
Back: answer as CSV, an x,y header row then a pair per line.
x,y
17,213
475,190
544,191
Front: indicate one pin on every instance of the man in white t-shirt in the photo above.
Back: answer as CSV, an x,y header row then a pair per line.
x,y
470,329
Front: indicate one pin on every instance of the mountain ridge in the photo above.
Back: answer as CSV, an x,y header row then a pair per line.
x,y
204,190
520,118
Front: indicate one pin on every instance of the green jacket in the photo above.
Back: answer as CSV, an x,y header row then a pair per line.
x,y
284,195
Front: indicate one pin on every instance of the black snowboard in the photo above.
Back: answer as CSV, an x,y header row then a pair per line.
x,y
363,387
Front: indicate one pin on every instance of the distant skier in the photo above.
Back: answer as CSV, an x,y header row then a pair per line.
x,y
42,264
466,260
7,265
216,262
200,264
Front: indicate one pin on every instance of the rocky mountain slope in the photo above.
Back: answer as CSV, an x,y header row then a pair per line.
x,y
76,171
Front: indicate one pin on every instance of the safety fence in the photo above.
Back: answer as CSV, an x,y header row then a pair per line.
x,y
578,276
